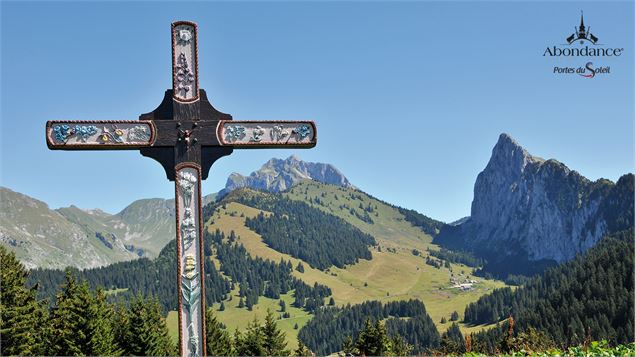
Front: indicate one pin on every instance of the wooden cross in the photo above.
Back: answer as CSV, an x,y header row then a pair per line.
x,y
186,135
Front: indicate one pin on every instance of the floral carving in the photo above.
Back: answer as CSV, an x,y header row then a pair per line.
x,y
184,75
191,292
139,133
302,131
278,133
115,135
193,341
188,228
187,180
184,36
190,287
82,132
234,132
62,132
257,133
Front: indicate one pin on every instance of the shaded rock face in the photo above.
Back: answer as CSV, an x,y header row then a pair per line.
x,y
278,175
524,205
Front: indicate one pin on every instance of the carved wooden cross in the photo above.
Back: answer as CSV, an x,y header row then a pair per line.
x,y
186,135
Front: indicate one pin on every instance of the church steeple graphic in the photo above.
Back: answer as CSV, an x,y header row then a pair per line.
x,y
582,33
581,19
581,30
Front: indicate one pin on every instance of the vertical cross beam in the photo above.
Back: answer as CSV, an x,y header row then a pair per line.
x,y
188,177
189,242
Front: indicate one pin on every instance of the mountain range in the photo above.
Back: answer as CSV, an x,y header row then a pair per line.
x,y
306,228
71,236
278,175
524,207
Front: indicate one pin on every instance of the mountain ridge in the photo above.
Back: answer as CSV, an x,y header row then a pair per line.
x,y
538,210
278,175
524,207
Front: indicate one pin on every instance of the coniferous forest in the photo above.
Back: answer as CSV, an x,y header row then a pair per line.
x,y
81,322
590,297
142,276
78,321
257,277
328,331
120,309
320,239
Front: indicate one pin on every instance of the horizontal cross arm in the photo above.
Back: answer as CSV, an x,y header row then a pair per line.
x,y
99,134
252,134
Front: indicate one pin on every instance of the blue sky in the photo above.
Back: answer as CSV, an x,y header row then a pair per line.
x,y
409,97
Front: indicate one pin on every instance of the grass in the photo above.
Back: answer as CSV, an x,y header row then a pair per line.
x,y
401,274
172,321
394,273
115,291
238,318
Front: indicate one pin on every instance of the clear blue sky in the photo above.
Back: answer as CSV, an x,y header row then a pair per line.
x,y
409,97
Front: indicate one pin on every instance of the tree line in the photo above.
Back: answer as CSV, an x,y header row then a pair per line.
x,y
141,276
331,327
306,233
457,256
257,277
82,322
79,322
591,296
262,277
423,222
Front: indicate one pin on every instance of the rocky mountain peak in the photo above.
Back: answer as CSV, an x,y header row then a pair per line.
x,y
508,157
538,208
281,174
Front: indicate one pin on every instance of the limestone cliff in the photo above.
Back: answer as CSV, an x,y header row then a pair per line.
x,y
278,175
526,206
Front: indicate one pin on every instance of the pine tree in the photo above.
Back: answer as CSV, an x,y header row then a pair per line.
x,y
348,347
399,346
300,267
283,305
443,320
452,341
274,343
301,351
454,316
22,317
222,306
121,324
218,340
373,339
101,332
147,333
331,301
251,343
69,321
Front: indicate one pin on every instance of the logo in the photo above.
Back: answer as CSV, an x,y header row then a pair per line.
x,y
582,43
582,34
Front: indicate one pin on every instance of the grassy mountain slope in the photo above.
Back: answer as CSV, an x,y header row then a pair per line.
x,y
147,224
43,237
393,273
70,236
